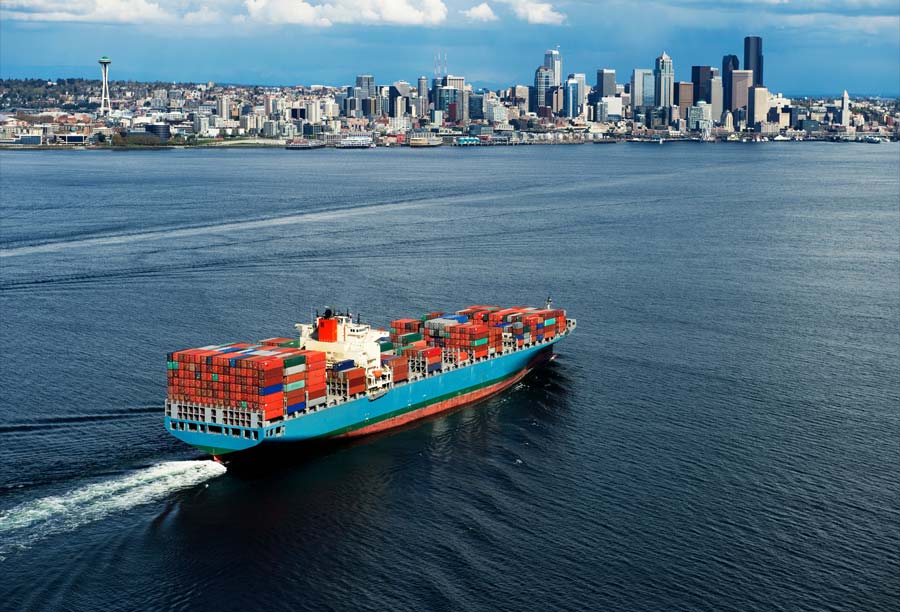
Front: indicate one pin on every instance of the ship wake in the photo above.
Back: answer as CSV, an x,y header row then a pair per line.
x,y
23,525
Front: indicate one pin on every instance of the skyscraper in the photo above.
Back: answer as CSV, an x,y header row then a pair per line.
x,y
571,98
741,82
366,82
422,99
716,95
845,109
223,107
606,82
664,81
684,97
581,79
700,77
543,81
730,63
758,105
641,87
553,61
753,58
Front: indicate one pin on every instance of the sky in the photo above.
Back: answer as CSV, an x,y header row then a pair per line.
x,y
811,47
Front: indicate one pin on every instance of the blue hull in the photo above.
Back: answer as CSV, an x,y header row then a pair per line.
x,y
404,402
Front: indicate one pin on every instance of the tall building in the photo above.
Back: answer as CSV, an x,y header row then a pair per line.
x,y
571,98
741,82
553,61
730,63
606,82
716,95
684,97
664,81
422,99
700,77
223,107
642,87
366,82
758,105
105,106
456,82
581,79
753,58
845,109
543,81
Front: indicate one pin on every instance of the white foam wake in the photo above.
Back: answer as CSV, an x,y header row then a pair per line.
x,y
30,521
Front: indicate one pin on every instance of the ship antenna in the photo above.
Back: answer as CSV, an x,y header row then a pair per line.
x,y
549,302
358,318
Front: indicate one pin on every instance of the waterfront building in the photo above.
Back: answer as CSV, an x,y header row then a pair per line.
x,y
553,61
758,105
664,81
741,81
606,82
753,58
730,63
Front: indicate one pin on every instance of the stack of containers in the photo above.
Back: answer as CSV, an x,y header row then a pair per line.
x,y
426,360
398,365
316,385
240,376
344,378
437,330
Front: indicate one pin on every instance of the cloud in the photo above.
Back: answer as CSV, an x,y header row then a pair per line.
x,y
535,12
93,11
395,12
482,12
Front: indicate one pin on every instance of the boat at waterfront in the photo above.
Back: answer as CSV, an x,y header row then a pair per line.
x,y
425,141
302,144
342,378
356,142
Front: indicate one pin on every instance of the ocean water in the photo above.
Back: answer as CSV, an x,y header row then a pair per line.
x,y
720,433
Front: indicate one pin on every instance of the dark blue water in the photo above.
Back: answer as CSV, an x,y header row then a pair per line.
x,y
721,433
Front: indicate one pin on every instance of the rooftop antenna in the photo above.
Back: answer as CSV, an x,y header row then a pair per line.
x,y
445,63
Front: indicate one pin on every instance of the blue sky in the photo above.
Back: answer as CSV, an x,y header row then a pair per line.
x,y
810,46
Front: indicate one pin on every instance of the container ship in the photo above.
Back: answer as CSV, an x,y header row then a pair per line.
x,y
340,378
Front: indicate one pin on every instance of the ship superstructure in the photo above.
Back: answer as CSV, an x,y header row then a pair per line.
x,y
341,377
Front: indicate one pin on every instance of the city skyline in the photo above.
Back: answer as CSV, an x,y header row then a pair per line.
x,y
841,47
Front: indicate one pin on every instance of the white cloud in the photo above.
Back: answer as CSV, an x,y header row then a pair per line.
x,y
396,12
94,11
202,16
482,12
535,12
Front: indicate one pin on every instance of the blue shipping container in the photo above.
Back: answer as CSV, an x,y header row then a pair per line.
x,y
271,389
296,407
340,366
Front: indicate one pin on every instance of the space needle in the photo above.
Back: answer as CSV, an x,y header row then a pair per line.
x,y
105,106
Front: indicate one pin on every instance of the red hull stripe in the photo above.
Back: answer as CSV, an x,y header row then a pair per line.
x,y
436,408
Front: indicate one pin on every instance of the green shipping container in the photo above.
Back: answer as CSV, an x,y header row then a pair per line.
x,y
295,385
549,321
291,344
479,342
294,361
215,378
387,346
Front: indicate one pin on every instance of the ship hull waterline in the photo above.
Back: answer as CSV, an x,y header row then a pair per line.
x,y
401,406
